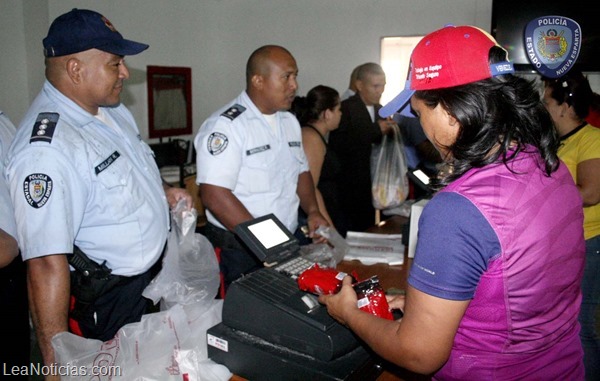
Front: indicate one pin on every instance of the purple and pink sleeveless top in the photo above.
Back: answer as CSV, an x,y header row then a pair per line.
x,y
509,239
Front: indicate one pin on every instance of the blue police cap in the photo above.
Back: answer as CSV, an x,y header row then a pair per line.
x,y
82,29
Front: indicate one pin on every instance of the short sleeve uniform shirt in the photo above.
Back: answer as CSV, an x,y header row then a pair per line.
x,y
77,180
239,150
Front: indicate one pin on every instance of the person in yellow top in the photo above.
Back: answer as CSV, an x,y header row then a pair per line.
x,y
568,100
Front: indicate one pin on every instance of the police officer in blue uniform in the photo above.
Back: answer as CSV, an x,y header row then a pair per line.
x,y
83,181
250,160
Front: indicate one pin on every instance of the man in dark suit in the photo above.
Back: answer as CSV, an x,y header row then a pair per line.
x,y
360,127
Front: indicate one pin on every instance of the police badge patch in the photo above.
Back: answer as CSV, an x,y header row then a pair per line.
x,y
553,44
37,189
217,142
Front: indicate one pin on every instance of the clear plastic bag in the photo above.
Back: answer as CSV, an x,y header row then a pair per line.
x,y
164,346
328,254
190,271
169,345
388,172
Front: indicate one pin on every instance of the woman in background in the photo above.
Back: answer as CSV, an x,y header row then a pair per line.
x,y
568,101
319,113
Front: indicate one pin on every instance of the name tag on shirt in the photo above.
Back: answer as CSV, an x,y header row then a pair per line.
x,y
258,149
107,162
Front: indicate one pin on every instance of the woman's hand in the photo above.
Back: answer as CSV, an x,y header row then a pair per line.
x,y
341,305
396,302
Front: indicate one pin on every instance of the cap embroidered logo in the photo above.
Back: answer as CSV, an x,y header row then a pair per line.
x,y
451,56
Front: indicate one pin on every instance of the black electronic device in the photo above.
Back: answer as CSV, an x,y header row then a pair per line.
x,y
268,239
256,359
268,303
421,180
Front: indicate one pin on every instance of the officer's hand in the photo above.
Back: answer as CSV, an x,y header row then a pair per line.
x,y
316,219
176,194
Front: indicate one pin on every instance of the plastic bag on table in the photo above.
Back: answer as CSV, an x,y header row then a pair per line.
x,y
190,271
388,172
327,254
163,346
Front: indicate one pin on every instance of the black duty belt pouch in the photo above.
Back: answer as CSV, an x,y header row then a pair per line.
x,y
89,281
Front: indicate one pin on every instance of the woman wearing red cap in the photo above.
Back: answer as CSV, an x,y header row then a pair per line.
x,y
494,289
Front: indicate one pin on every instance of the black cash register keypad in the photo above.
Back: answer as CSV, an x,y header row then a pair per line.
x,y
294,267
272,285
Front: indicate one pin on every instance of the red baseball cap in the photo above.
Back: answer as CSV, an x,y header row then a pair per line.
x,y
451,56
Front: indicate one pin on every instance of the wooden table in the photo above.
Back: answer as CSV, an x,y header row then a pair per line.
x,y
392,278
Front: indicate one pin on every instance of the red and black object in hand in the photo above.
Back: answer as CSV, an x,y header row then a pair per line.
x,y
321,280
371,298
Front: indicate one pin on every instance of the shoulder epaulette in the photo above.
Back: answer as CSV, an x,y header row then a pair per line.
x,y
44,126
234,111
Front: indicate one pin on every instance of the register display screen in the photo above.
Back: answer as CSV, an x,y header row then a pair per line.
x,y
268,233
267,238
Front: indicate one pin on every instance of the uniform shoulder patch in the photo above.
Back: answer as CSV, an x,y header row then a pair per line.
x,y
217,142
233,112
44,126
37,189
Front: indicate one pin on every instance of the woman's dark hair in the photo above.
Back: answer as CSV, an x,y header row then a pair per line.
x,y
574,89
498,117
319,98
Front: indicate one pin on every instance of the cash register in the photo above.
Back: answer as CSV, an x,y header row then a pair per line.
x,y
272,330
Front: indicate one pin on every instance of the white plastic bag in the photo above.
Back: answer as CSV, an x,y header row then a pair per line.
x,y
163,346
190,271
388,172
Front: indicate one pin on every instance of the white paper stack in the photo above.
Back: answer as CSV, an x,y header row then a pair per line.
x,y
370,248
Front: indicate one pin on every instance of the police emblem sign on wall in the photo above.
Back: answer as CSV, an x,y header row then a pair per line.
x,y
553,44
